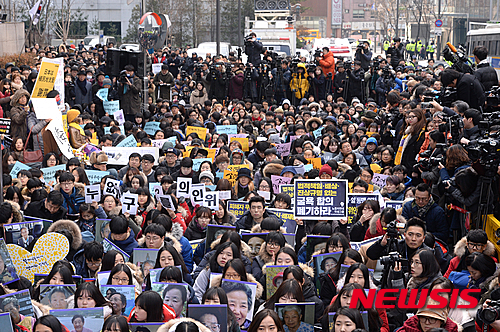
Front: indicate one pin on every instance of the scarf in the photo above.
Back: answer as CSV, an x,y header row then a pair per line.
x,y
77,126
422,211
82,85
402,146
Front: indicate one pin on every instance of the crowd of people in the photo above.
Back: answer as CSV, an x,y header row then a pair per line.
x,y
360,122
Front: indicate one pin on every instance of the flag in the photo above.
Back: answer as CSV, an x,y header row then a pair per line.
x,y
168,21
35,12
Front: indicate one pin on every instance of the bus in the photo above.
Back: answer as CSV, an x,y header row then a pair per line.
x,y
488,37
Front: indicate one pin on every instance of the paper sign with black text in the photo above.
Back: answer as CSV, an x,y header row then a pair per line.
x,y
93,193
211,200
225,194
184,187
166,202
197,194
112,187
130,203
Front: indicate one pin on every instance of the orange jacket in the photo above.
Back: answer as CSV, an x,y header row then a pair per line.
x,y
328,64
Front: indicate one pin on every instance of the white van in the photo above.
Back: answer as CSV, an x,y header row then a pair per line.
x,y
93,40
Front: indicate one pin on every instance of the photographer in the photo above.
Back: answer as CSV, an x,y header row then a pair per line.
x,y
327,62
471,121
129,91
217,81
253,49
356,82
250,82
481,323
364,55
299,83
385,83
469,89
414,235
201,73
396,52
339,81
281,77
163,81
485,73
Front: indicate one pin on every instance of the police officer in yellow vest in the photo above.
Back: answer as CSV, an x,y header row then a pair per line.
x,y
411,49
430,51
419,48
386,46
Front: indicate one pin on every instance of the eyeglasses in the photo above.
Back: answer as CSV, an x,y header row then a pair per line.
x,y
152,238
264,186
475,245
212,326
120,280
273,245
428,320
67,184
416,263
232,275
95,264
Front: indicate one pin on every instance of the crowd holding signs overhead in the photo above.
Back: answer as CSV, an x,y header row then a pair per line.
x,y
200,213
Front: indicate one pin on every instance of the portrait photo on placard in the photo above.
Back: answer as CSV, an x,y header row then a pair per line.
x,y
23,233
57,296
81,319
274,278
174,295
241,300
213,316
18,304
315,244
215,232
122,298
144,327
102,229
6,322
8,273
108,245
254,241
296,316
325,262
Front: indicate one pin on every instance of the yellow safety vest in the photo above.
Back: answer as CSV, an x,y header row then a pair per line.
x,y
430,48
386,45
419,47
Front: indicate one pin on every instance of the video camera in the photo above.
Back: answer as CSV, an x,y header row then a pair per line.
x,y
492,100
123,77
458,58
318,53
391,260
427,162
491,313
248,39
348,64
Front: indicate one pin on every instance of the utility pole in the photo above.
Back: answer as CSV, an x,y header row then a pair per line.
x,y
397,19
217,25
438,42
240,41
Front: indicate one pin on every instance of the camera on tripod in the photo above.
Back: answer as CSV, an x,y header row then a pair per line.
x,y
491,313
318,53
391,259
348,64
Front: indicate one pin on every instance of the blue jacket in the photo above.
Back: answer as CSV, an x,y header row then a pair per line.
x,y
128,244
187,253
435,219
72,202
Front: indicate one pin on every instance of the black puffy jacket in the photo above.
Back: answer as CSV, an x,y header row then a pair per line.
x,y
487,75
470,90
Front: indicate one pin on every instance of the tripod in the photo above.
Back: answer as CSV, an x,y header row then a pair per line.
x,y
485,200
392,248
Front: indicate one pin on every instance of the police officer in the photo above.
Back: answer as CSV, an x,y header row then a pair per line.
x,y
430,51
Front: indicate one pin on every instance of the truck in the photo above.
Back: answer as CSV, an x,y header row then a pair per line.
x,y
275,36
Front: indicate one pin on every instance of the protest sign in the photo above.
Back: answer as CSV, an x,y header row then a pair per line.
x,y
112,187
156,67
315,162
287,189
95,176
6,322
394,204
151,128
119,155
111,107
265,194
18,166
231,176
56,128
211,200
172,139
283,149
274,138
238,208
379,179
5,126
108,245
158,143
143,255
243,141
46,78
201,131
50,248
128,142
102,94
49,173
130,203
300,169
273,280
117,293
197,163
277,181
155,188
25,306
320,199
184,187
207,312
227,129
354,200
9,273
236,168
225,194
317,132
119,117
166,202
93,193
75,317
197,194
288,219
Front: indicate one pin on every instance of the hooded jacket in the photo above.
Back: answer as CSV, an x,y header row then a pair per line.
x,y
397,195
461,250
375,227
18,115
327,63
299,83
72,227
310,121
194,232
126,245
412,325
73,201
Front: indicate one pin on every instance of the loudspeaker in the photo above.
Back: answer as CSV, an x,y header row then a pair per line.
x,y
272,5
116,61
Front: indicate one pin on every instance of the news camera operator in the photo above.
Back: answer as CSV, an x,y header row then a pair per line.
x,y
281,76
201,73
327,61
430,158
129,91
340,80
218,82
163,81
364,55
396,52
485,73
471,132
250,82
253,48
469,89
356,82
488,316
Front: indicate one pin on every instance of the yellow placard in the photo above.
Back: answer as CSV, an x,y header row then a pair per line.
x,y
45,80
236,168
188,151
492,224
370,133
65,123
211,154
243,141
94,141
316,162
370,188
231,176
202,132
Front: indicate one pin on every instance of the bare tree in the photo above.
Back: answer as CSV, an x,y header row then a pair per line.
x,y
64,21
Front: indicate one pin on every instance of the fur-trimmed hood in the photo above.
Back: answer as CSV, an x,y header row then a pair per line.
x,y
141,174
72,227
245,249
373,222
306,268
171,325
80,188
217,280
399,189
256,229
343,167
310,121
462,244
272,169
14,100
16,212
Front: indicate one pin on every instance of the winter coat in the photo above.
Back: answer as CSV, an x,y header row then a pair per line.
x,y
72,202
36,126
81,98
487,75
318,88
194,232
398,195
434,219
259,261
364,58
327,63
309,292
130,101
355,82
236,86
128,245
470,90
198,97
461,252
171,325
375,227
73,228
76,139
18,115
412,325
246,221
38,210
410,153
168,78
253,50
299,84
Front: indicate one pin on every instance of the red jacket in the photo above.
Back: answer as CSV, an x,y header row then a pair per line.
x,y
382,314
328,64
168,314
380,231
412,325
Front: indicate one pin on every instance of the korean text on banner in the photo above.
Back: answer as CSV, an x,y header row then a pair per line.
x,y
119,155
18,166
95,176
56,128
201,131
128,142
320,199
46,78
111,107
49,173
4,126
151,128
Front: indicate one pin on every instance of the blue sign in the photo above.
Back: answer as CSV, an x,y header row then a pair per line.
x,y
320,199
227,129
438,23
128,142
396,205
197,163
237,208
151,128
18,166
354,200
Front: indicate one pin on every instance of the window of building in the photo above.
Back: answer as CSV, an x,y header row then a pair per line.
x,y
358,13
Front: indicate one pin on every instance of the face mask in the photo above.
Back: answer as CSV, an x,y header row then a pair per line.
x,y
128,75
89,77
